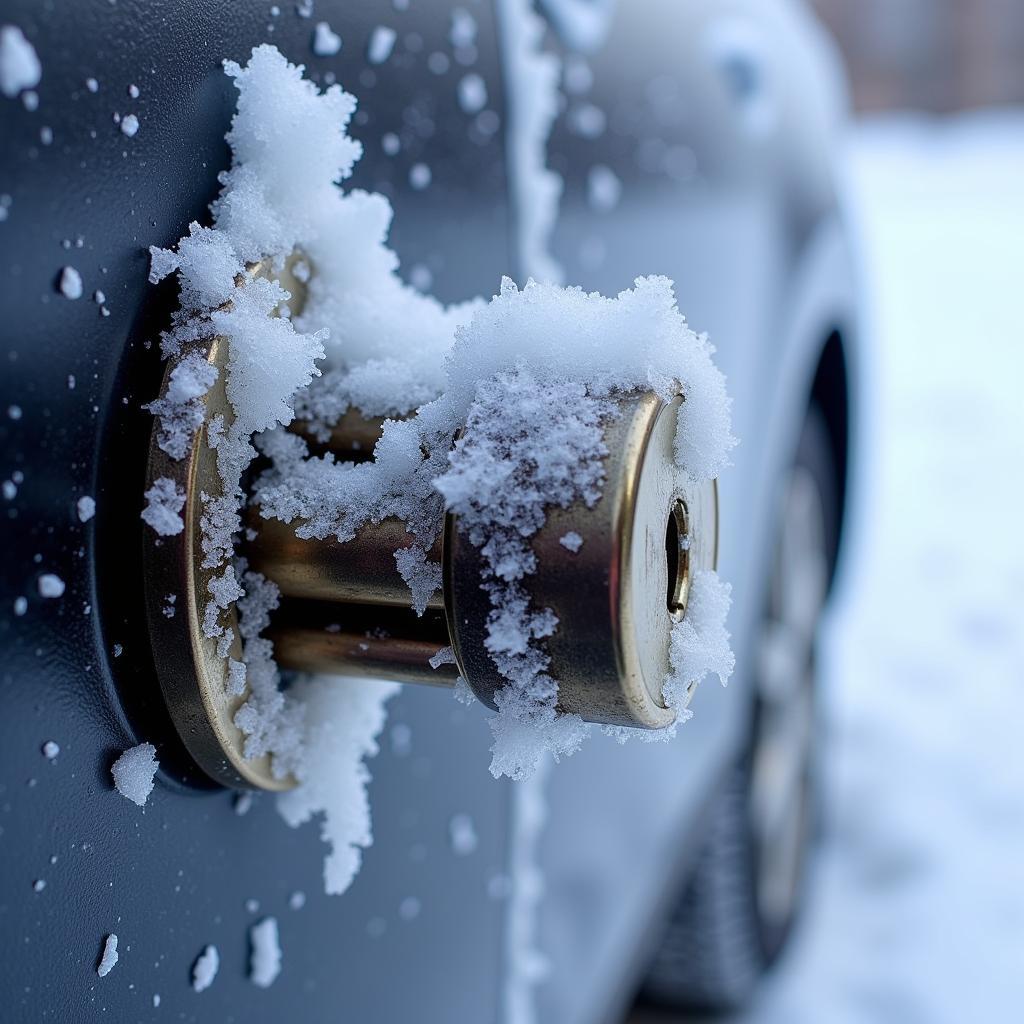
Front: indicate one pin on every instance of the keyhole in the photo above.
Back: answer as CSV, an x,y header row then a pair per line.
x,y
677,553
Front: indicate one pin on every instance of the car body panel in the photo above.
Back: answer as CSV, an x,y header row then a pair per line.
x,y
423,933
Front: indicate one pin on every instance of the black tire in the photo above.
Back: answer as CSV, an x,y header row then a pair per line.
x,y
720,940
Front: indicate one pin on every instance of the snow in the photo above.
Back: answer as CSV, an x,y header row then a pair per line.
x,y
164,502
525,964
70,283
326,42
419,176
462,834
382,42
50,585
108,959
129,125
916,905
51,749
365,339
603,188
39,885
204,970
19,64
86,508
344,719
462,33
571,541
472,93
700,642
297,900
532,77
265,953
134,771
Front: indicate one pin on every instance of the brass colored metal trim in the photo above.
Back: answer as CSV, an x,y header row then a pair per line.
x,y
191,674
610,653
360,571
345,608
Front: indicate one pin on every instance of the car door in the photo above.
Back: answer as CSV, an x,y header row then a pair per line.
x,y
190,869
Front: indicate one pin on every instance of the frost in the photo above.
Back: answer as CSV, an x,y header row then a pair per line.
x,y
92,85
50,750
265,953
382,42
19,64
129,125
462,692
326,42
70,283
204,970
297,900
164,502
571,541
50,585
133,773
86,508
108,959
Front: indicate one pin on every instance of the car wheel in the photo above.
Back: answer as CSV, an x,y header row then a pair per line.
x,y
742,897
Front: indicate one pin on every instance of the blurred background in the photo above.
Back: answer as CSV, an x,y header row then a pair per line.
x,y
915,909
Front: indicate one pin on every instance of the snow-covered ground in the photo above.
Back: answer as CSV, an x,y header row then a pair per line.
x,y
917,905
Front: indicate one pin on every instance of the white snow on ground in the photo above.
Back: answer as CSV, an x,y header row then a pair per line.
x,y
917,908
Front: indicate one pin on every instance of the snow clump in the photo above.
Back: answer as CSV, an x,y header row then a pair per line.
x,y
265,955
133,773
204,970
164,502
86,508
70,283
50,585
108,959
19,64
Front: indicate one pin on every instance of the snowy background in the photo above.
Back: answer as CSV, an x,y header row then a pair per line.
x,y
916,905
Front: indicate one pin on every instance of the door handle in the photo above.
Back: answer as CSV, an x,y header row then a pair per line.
x,y
616,574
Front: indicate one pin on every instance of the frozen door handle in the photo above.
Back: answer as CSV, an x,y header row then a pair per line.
x,y
616,575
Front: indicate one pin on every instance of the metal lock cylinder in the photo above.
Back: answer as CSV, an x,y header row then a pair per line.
x,y
345,609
